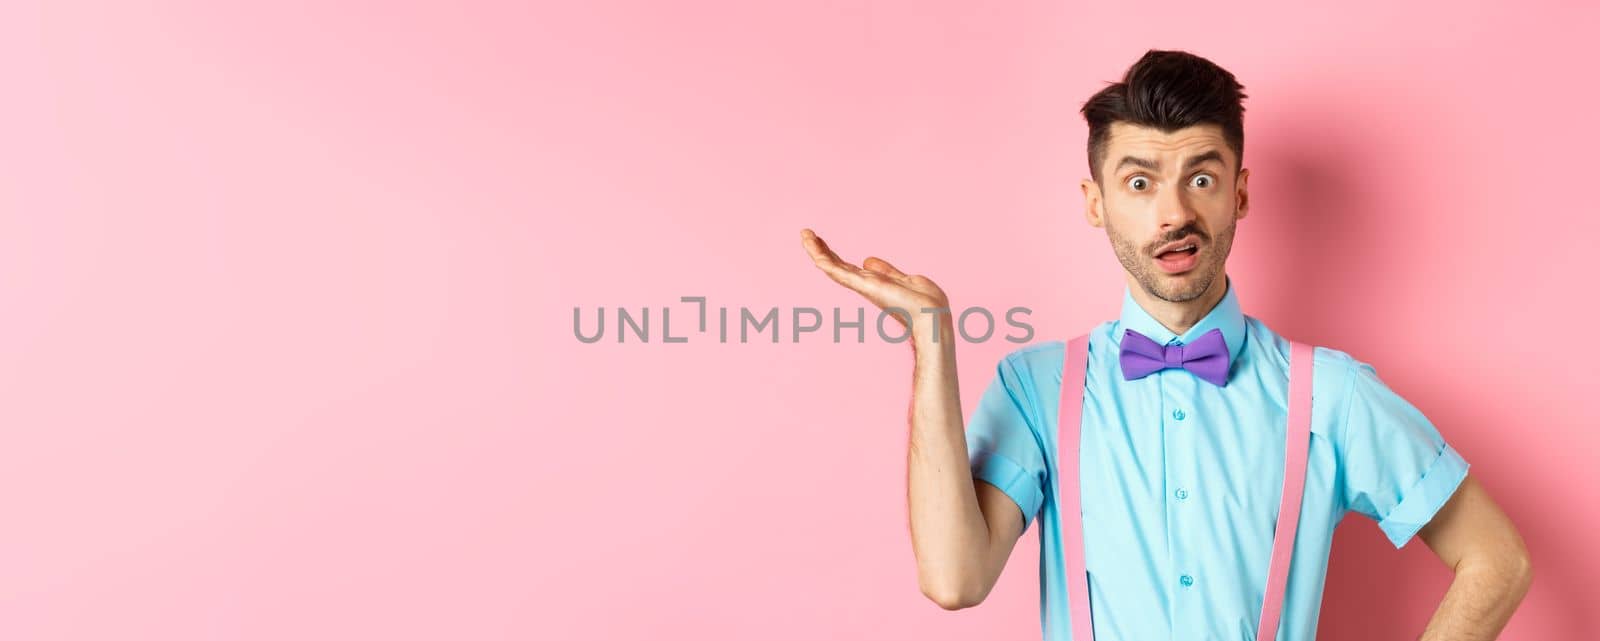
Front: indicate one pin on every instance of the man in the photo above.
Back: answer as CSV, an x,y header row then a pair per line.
x,y
1181,471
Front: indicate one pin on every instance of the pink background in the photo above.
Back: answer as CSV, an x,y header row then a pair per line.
x,y
288,297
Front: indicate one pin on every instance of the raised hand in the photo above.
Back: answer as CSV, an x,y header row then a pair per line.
x,y
881,283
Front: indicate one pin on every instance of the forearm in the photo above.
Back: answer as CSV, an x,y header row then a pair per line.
x,y
948,530
1479,602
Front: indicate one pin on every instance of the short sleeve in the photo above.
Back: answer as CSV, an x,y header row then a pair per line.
x,y
1001,446
1396,467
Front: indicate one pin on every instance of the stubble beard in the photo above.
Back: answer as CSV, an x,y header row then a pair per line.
x,y
1179,288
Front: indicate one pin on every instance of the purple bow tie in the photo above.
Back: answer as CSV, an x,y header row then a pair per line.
x,y
1206,356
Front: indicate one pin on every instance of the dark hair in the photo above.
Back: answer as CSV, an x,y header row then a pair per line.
x,y
1167,90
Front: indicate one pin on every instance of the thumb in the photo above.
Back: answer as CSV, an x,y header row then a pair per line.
x,y
881,266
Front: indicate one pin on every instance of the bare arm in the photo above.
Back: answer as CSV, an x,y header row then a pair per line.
x,y
962,531
1472,536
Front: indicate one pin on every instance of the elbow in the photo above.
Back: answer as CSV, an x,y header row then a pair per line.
x,y
1511,571
1523,573
1519,568
952,594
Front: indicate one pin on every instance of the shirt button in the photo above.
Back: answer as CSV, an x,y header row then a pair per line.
x,y
1182,494
1178,414
1186,580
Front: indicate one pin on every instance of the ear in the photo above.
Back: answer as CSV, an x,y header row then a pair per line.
x,y
1242,193
1093,205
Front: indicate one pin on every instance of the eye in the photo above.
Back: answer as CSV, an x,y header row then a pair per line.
x,y
1139,183
1203,180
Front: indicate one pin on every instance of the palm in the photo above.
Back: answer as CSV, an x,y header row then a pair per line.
x,y
876,280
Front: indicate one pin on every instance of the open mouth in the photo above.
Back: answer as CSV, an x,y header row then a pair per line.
x,y
1188,250
1178,260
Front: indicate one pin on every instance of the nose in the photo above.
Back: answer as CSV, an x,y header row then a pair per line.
x,y
1175,209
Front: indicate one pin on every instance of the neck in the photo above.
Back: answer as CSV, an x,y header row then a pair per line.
x,y
1178,317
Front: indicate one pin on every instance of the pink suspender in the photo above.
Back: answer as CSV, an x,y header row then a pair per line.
x,y
1297,443
1068,433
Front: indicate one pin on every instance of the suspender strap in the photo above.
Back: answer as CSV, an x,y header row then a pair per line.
x,y
1296,443
1070,498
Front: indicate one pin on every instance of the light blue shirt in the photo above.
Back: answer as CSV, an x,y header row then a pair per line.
x,y
1181,478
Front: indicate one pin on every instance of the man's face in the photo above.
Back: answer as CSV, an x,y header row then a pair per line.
x,y
1164,191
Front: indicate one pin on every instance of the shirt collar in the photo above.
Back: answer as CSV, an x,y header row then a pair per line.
x,y
1226,316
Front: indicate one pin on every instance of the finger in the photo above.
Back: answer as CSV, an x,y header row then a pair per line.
x,y
846,274
871,284
881,266
862,281
824,256
814,246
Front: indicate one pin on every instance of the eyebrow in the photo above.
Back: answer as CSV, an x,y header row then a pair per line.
x,y
1152,165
